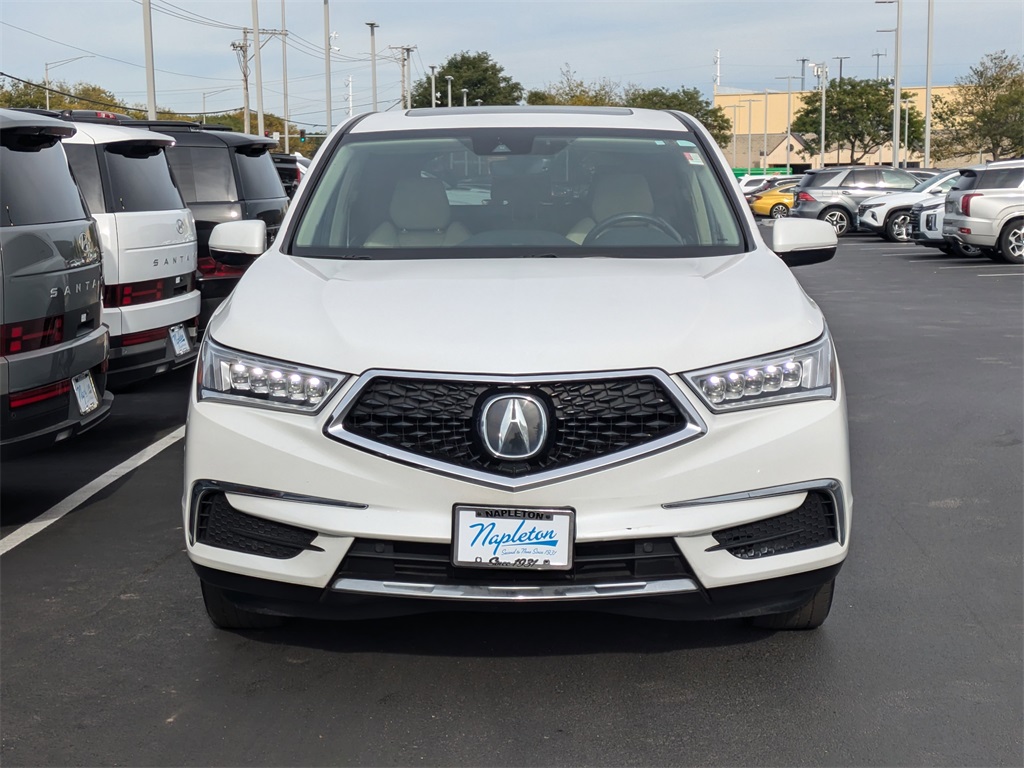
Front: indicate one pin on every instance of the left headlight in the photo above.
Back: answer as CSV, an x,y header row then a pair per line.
x,y
803,373
228,375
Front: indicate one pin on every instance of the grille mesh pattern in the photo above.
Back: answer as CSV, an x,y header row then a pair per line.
x,y
593,563
221,525
812,524
437,419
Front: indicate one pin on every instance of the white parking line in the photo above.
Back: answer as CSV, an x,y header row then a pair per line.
x,y
79,497
976,266
1004,274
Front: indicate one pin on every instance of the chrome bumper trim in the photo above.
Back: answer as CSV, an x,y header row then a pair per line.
x,y
502,593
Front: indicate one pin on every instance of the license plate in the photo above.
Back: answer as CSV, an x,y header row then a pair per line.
x,y
528,538
179,338
85,393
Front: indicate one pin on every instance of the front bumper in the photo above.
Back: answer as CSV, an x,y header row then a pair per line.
x,y
751,466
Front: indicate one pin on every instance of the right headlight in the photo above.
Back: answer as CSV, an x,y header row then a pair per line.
x,y
803,373
228,375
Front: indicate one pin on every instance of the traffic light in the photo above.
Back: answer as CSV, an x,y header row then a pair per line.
x,y
302,134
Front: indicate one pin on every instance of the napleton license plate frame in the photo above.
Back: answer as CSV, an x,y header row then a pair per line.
x,y
179,340
85,393
528,547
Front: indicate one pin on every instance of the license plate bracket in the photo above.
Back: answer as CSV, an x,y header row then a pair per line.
x,y
85,393
520,538
179,338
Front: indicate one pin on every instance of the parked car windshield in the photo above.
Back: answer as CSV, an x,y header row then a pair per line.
x,y
36,186
940,183
517,192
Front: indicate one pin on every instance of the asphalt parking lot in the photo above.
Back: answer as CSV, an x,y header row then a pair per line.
x,y
107,656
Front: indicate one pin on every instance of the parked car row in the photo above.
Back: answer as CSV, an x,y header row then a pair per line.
x,y
106,278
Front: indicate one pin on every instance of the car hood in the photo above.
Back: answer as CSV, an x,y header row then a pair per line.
x,y
898,198
516,316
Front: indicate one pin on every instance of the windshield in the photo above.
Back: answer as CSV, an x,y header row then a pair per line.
x,y
942,183
517,192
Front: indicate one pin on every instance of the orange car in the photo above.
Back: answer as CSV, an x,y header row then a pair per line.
x,y
775,202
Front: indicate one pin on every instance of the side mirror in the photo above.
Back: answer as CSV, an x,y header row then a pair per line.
x,y
237,243
800,242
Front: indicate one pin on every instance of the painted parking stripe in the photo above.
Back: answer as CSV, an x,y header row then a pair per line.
x,y
79,497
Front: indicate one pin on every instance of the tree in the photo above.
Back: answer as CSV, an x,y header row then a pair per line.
x,y
984,112
481,76
572,91
858,117
686,100
18,93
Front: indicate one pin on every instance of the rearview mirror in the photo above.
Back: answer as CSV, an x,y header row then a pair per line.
x,y
800,242
237,243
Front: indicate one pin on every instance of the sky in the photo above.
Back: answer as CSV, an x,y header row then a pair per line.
x,y
668,44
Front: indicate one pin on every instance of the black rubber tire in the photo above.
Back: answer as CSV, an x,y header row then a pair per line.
x,y
810,616
225,615
838,218
1011,242
897,227
779,211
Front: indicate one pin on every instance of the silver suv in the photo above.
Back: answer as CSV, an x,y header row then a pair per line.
x,y
986,208
834,194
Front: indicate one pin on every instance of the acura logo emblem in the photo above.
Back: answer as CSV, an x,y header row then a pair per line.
x,y
513,426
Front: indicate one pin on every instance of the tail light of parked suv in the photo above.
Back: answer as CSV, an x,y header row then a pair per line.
x,y
965,202
31,335
804,197
146,291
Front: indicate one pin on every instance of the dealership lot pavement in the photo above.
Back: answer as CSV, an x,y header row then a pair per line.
x,y
106,655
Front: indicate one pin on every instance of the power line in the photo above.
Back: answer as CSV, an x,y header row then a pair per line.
x,y
109,58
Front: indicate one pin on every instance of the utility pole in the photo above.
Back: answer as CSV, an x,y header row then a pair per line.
x,y
748,102
878,55
433,86
764,150
327,65
242,49
284,73
259,69
928,88
408,49
449,79
821,71
803,68
733,107
373,61
895,81
350,95
840,60
789,118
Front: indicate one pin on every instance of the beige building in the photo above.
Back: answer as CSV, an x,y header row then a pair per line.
x,y
759,121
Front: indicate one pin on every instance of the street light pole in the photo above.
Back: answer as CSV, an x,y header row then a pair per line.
x,y
327,64
928,89
748,102
464,92
840,60
147,31
789,113
373,61
284,74
433,86
55,64
822,73
896,82
449,79
259,68
764,150
733,107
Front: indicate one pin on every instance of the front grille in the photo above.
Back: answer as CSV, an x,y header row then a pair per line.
x,y
218,524
595,562
812,524
915,219
438,419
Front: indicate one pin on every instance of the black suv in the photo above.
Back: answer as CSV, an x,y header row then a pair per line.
x,y
834,194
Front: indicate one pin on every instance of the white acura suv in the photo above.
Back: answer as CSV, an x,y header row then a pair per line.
x,y
523,357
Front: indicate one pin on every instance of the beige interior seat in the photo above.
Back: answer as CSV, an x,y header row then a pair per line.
x,y
419,216
613,194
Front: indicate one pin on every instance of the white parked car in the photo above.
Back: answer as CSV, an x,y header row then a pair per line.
x,y
926,229
889,215
591,387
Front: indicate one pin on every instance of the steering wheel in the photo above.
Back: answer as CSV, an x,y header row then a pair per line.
x,y
621,219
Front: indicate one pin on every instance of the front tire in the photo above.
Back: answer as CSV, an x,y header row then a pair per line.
x,y
897,227
839,219
779,211
225,615
1011,242
809,616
